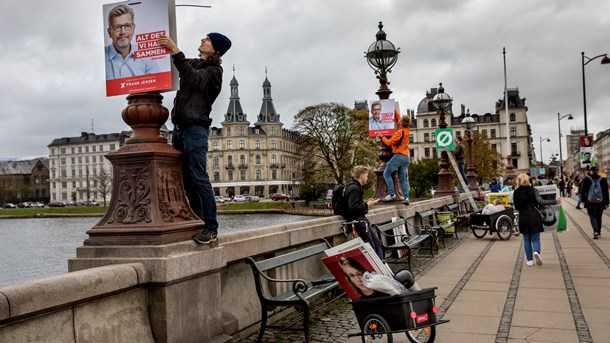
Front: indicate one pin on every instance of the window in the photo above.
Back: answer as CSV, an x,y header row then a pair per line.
x,y
62,151
412,153
73,172
230,175
257,144
494,147
73,160
228,131
411,138
433,122
484,133
258,159
273,131
230,160
86,149
257,131
86,159
273,159
273,146
513,117
513,148
72,149
80,160
241,131
427,152
516,163
52,151
242,160
63,161
80,149
513,132
458,133
426,137
215,146
216,176
94,159
492,132
242,175
101,148
433,137
229,144
258,174
242,144
93,148
434,151
215,161
73,184
112,147
426,123
274,174
64,184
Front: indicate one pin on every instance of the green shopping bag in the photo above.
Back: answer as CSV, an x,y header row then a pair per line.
x,y
562,222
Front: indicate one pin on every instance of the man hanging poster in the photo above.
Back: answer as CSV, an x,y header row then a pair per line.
x,y
134,61
381,117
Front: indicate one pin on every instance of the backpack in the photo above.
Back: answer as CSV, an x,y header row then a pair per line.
x,y
595,192
339,202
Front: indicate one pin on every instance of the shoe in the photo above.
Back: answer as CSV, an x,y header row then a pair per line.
x,y
205,236
595,235
530,263
578,207
389,198
406,201
599,234
537,258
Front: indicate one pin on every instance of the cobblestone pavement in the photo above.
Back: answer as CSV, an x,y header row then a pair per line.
x,y
334,322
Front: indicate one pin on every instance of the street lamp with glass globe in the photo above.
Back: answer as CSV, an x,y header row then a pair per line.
x,y
381,57
469,123
443,102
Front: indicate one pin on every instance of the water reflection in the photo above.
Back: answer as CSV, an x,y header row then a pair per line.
x,y
34,248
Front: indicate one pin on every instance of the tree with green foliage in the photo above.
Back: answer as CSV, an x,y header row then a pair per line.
x,y
423,175
312,191
487,161
333,140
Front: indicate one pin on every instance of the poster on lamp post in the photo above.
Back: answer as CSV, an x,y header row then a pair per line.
x,y
587,152
134,61
381,117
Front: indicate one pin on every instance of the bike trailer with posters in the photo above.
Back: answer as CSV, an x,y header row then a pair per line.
x,y
409,313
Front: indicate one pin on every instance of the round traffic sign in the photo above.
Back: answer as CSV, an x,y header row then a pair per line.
x,y
444,139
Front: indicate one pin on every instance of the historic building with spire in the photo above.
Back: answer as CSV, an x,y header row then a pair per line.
x,y
261,159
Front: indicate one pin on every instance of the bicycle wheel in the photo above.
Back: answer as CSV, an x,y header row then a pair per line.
x,y
478,232
504,227
424,335
376,329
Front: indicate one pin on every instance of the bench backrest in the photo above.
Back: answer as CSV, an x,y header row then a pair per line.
x,y
291,257
453,207
391,225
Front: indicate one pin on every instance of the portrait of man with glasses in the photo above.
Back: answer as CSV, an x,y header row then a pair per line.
x,y
120,60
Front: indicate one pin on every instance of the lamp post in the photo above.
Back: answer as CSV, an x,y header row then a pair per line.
x,y
559,117
381,57
442,102
541,158
469,123
605,60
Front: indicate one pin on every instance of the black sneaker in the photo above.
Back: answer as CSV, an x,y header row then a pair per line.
x,y
595,235
205,236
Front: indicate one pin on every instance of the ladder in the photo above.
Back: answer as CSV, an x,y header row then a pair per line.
x,y
462,181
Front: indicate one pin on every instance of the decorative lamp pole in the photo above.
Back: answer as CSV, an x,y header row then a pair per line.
x,y
381,57
469,123
605,60
541,158
442,102
559,117
509,172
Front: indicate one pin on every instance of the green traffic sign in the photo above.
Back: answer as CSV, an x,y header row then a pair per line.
x,y
444,139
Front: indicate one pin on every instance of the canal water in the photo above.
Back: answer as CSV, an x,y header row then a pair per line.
x,y
37,247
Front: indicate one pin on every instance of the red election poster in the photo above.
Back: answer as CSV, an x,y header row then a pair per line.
x,y
134,61
381,117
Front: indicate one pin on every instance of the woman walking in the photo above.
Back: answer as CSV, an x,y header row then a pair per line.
x,y
527,200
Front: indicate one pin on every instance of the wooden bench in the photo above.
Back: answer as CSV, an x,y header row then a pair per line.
x,y
407,241
301,290
430,218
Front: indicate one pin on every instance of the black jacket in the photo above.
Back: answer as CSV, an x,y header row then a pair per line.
x,y
586,184
525,199
200,84
357,208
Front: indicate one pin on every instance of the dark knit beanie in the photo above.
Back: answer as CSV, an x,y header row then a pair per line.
x,y
220,42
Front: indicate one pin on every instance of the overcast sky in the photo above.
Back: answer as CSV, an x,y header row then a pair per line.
x,y
53,81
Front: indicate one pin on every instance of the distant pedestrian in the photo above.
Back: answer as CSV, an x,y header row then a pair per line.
x,y
595,199
357,208
494,186
399,142
527,200
581,181
562,187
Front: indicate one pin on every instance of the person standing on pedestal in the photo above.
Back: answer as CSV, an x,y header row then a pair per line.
x,y
200,85
459,153
399,142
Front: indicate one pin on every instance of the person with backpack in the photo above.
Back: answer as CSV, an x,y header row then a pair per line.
x,y
399,142
595,199
355,209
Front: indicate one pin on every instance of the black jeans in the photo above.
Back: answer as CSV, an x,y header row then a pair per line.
x,y
364,231
595,216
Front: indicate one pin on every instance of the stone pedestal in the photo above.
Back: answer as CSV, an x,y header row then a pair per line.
x,y
148,204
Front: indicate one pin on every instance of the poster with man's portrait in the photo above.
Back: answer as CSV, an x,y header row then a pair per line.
x,y
587,157
381,117
134,61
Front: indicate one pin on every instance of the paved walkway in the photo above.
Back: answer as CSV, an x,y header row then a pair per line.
x,y
490,295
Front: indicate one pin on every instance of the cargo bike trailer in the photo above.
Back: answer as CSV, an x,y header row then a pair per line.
x,y
413,314
503,223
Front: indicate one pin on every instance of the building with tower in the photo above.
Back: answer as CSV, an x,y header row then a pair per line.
x,y
261,159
